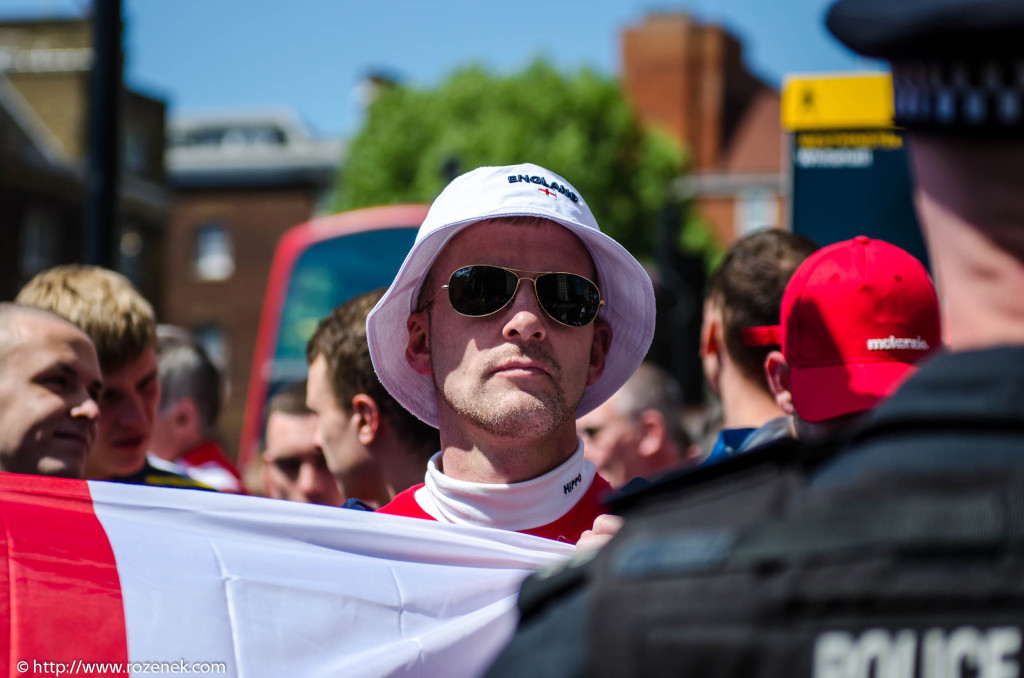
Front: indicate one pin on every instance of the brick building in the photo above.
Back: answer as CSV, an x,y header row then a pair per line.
x,y
239,182
44,82
690,80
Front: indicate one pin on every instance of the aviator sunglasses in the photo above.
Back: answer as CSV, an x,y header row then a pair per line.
x,y
481,290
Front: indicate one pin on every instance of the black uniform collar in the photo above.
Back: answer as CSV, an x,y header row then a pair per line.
x,y
983,386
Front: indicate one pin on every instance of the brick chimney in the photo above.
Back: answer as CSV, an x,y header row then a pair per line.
x,y
689,79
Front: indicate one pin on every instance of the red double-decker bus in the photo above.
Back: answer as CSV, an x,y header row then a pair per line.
x,y
318,265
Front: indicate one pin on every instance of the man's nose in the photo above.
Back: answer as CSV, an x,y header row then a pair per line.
x,y
527,320
88,408
307,480
132,410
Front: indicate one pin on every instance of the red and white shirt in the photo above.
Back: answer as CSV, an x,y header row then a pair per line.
x,y
558,505
207,464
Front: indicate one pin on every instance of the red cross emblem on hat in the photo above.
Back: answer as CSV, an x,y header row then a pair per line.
x,y
546,191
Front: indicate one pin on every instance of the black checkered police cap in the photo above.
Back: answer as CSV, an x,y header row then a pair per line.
x,y
957,65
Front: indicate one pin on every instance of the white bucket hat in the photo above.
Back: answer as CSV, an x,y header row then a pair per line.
x,y
515,190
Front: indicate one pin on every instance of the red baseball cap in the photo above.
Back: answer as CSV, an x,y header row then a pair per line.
x,y
856,317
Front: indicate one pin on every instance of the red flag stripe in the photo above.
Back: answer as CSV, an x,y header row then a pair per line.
x,y
63,601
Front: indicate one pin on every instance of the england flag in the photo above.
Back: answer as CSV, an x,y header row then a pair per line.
x,y
103,579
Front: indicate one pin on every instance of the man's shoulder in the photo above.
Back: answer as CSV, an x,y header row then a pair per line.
x,y
157,477
984,384
208,464
356,505
208,453
743,483
696,598
405,504
960,413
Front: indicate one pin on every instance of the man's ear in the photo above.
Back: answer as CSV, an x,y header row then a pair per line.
x,y
709,332
367,418
710,348
184,416
599,350
417,351
652,432
776,369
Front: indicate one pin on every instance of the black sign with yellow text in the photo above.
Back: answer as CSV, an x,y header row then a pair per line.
x,y
849,166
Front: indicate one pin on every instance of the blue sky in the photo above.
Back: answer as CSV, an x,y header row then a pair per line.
x,y
309,56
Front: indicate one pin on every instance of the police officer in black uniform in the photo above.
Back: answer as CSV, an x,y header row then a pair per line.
x,y
902,553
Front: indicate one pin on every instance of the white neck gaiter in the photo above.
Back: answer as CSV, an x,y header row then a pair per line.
x,y
516,506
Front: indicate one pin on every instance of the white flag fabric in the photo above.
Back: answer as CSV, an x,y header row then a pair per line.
x,y
243,586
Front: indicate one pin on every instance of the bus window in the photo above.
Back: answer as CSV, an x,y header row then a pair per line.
x,y
317,266
327,274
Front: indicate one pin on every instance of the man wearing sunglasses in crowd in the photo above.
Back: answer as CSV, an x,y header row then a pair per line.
x,y
511,316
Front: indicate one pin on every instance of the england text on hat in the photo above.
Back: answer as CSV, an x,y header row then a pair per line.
x,y
554,185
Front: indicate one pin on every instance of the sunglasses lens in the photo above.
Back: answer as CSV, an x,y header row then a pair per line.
x,y
568,298
481,290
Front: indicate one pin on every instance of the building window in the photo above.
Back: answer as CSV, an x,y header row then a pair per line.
x,y
135,152
130,258
755,210
214,341
214,255
39,238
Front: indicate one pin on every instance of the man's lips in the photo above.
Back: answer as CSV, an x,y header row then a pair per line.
x,y
129,441
74,436
522,368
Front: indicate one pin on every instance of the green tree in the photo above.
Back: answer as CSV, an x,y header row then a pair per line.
x,y
580,126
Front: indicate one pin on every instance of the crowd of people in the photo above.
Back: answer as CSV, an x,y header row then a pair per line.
x,y
500,407
500,382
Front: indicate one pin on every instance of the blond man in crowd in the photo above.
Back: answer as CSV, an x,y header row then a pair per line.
x,y
122,326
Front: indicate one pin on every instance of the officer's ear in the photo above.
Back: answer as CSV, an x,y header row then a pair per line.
x,y
776,369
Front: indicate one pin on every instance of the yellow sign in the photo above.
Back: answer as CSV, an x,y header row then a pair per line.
x,y
855,101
